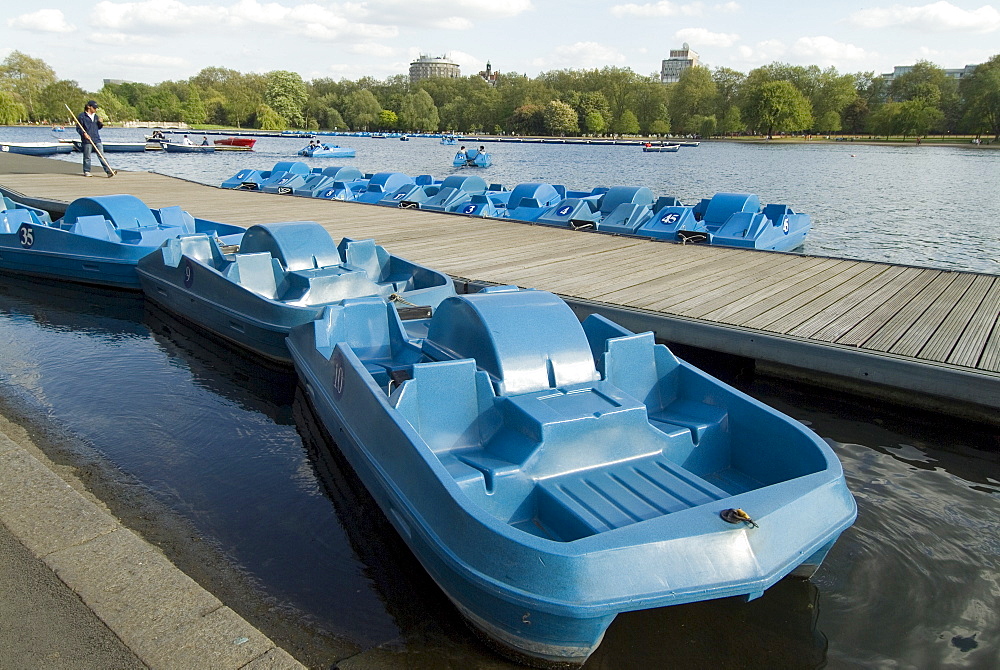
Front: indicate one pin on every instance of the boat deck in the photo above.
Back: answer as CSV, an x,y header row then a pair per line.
x,y
930,336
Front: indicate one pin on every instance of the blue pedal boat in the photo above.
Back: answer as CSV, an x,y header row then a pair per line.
x,y
550,474
99,240
731,220
249,179
472,158
282,275
327,151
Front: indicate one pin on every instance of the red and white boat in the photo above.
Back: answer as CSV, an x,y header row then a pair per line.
x,y
247,142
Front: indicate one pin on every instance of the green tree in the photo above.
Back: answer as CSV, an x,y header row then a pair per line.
x,y
527,119
829,122
418,112
832,93
916,117
193,109
883,121
627,123
26,77
855,116
52,100
659,127
693,95
731,121
981,97
777,106
268,119
11,109
286,94
595,123
650,105
560,119
114,106
387,119
361,109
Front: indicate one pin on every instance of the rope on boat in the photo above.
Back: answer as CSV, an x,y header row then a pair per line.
x,y
395,297
227,248
738,516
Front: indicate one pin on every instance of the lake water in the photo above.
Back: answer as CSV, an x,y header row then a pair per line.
x,y
216,459
931,206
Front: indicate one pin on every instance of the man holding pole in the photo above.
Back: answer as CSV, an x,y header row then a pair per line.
x,y
88,125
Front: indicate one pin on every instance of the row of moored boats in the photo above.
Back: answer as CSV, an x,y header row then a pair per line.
x,y
549,474
725,219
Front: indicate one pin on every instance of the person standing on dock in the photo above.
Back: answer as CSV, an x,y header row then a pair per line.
x,y
89,129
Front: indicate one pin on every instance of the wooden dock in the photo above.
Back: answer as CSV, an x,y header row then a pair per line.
x,y
926,337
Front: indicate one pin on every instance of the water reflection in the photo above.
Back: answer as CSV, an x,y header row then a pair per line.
x,y
224,442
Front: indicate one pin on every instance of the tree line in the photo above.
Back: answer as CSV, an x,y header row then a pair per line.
x,y
775,98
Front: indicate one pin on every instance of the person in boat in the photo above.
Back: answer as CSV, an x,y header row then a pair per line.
x,y
157,135
187,141
89,126
204,141
462,155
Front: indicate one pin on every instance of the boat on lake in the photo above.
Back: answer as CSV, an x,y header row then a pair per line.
x,y
282,275
550,475
99,240
472,158
181,148
36,148
115,147
246,142
727,219
326,151
661,149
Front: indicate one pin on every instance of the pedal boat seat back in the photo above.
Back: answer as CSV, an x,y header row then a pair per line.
x,y
525,340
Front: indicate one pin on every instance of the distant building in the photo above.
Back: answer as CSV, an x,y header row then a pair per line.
x,y
900,70
680,60
426,67
116,81
489,75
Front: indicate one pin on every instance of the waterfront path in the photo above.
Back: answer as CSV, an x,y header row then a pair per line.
x,y
922,336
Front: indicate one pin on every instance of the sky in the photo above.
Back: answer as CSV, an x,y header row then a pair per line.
x,y
158,40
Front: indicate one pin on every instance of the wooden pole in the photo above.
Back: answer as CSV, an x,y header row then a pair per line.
x,y
104,161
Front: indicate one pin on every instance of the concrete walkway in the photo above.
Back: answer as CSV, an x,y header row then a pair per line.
x,y
79,591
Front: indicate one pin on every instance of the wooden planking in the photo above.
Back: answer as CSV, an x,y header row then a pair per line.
x,y
914,305
971,345
931,320
990,359
924,314
795,295
855,304
954,326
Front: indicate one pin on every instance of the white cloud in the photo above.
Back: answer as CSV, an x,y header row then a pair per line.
x,y
659,9
703,38
43,21
762,52
935,17
372,49
466,10
148,60
823,50
323,23
120,39
582,55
